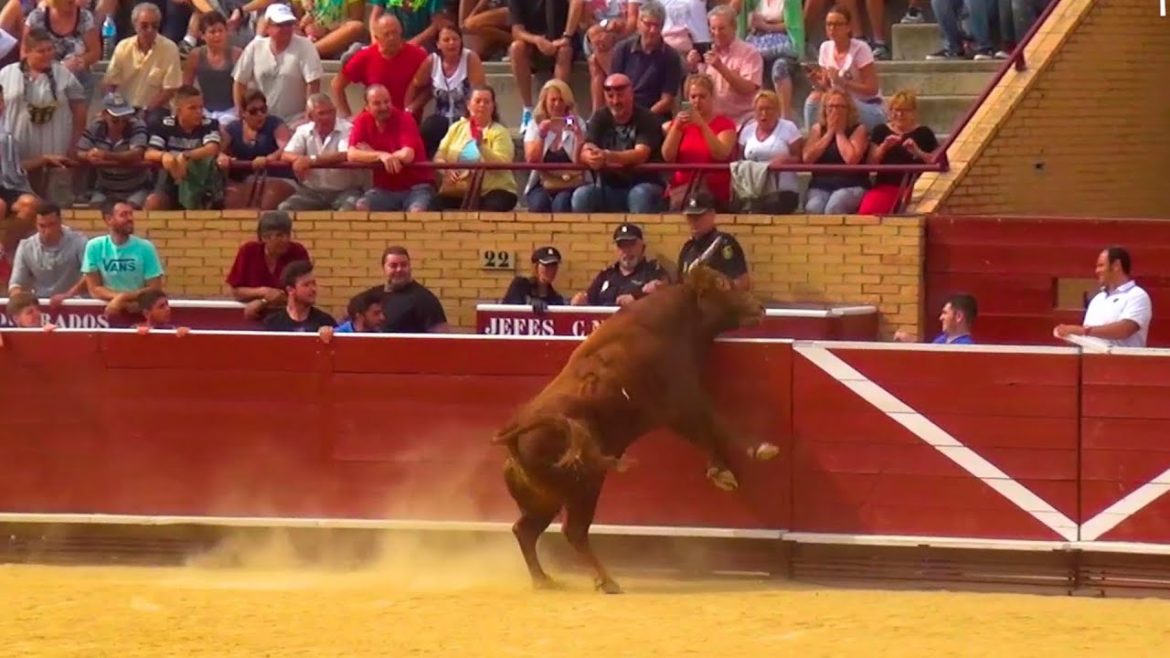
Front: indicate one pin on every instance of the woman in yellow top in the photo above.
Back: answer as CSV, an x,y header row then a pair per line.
x,y
478,137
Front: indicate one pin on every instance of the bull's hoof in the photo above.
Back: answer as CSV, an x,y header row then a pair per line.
x,y
547,584
722,478
764,452
607,586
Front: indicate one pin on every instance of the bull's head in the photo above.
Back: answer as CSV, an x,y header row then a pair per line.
x,y
722,305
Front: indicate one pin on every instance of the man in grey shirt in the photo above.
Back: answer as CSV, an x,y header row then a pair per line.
x,y
48,264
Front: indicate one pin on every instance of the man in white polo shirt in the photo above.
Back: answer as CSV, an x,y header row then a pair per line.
x,y
1119,314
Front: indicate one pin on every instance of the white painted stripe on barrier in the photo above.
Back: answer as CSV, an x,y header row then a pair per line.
x,y
374,524
940,439
926,541
1132,548
1129,505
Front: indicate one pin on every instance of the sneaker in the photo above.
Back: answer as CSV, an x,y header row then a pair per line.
x,y
350,52
1002,54
525,119
945,54
913,16
983,54
880,50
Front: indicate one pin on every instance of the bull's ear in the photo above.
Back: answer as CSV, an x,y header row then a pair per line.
x,y
704,279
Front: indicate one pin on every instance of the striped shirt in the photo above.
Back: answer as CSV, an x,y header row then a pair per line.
x,y
167,135
117,179
12,174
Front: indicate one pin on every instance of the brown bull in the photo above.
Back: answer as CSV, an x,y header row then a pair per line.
x,y
639,371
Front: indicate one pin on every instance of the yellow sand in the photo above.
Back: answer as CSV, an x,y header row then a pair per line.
x,y
478,603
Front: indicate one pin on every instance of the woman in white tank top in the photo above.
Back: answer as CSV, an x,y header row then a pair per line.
x,y
446,77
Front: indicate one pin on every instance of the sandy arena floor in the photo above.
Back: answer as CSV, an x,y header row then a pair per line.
x,y
479,605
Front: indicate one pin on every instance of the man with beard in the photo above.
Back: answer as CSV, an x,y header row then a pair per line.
x,y
632,277
299,314
120,266
365,313
407,304
384,134
621,136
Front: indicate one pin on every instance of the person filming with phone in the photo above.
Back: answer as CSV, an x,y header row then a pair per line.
x,y
556,134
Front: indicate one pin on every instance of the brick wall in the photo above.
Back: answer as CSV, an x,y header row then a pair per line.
x,y
1082,132
792,259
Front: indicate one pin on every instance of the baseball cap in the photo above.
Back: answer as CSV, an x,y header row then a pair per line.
x,y
279,14
546,256
700,203
627,231
116,105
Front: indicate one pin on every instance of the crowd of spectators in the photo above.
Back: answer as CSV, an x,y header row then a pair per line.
x,y
225,99
715,77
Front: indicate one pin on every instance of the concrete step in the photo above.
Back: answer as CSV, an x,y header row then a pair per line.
x,y
927,78
915,42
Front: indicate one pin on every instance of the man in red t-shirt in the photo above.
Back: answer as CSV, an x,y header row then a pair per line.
x,y
387,135
390,61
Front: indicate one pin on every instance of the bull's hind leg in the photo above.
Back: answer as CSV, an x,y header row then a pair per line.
x,y
579,512
536,513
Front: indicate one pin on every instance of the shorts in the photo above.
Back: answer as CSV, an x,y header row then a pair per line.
x,y
136,198
306,198
10,196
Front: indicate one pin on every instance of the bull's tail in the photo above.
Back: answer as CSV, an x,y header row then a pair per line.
x,y
582,450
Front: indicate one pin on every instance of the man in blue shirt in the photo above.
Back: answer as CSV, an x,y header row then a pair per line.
x,y
956,318
365,314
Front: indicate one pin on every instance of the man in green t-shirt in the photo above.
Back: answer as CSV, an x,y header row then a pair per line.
x,y
120,266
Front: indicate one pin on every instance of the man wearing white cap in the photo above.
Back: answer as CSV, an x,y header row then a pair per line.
x,y
113,144
283,65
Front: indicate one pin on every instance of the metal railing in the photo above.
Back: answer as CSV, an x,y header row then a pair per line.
x,y
480,169
1015,61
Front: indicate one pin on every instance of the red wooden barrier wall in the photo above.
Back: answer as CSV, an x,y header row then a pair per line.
x,y
876,439
1012,265
362,428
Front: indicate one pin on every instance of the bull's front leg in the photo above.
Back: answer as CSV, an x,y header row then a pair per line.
x,y
702,427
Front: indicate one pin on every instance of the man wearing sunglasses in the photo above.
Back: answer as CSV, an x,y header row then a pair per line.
x,y
621,135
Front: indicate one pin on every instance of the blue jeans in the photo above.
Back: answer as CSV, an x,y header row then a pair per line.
x,y
641,199
416,199
539,199
1016,17
979,13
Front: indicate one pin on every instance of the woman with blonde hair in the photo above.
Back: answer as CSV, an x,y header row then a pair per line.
x,y
555,134
478,137
699,136
771,138
899,141
838,138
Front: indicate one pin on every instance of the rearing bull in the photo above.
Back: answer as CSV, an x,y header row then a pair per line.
x,y
639,371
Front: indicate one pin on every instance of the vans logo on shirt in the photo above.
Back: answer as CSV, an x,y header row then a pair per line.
x,y
119,265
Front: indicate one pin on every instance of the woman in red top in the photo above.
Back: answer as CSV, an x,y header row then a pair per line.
x,y
698,136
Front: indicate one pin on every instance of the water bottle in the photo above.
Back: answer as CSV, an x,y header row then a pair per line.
x,y
109,37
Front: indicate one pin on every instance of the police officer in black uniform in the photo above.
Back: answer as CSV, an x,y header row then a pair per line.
x,y
632,277
537,290
723,253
